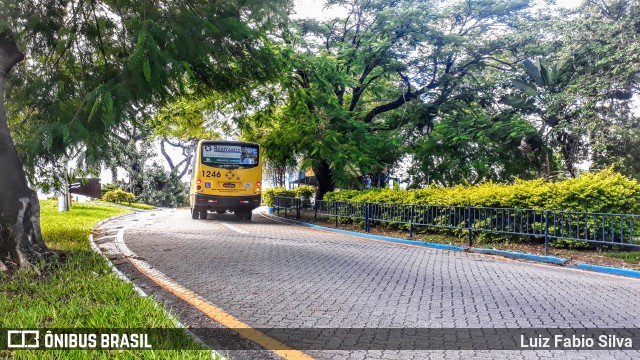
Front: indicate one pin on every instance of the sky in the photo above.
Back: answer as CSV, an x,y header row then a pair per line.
x,y
315,9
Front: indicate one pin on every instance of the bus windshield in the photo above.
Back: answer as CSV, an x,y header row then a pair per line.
x,y
230,155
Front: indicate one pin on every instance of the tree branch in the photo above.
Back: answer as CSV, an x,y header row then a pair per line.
x,y
166,156
186,166
10,55
401,100
100,42
358,90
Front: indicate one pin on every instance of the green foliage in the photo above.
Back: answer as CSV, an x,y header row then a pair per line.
x,y
119,196
108,187
344,195
304,191
163,188
269,194
467,145
605,191
630,256
141,206
97,69
370,86
79,290
348,97
546,92
134,205
570,244
190,117
582,89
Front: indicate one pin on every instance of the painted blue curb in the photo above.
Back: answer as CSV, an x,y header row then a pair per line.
x,y
510,254
608,270
518,255
376,237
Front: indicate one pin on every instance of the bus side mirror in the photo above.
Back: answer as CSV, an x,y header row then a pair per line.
x,y
189,172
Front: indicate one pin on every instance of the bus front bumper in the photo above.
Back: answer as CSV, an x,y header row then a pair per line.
x,y
230,203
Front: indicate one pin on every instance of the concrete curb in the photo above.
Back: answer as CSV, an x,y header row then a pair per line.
x,y
510,254
370,236
102,222
123,277
608,270
118,273
523,256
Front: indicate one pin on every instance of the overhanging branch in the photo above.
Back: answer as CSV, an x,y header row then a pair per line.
x,y
401,100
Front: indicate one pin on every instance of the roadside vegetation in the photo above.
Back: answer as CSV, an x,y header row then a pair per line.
x,y
484,103
601,192
138,206
465,92
75,288
604,191
303,192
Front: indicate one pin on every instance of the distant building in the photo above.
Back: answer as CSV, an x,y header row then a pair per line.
x,y
304,178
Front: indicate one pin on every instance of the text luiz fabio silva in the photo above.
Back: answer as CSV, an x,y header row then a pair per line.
x,y
575,341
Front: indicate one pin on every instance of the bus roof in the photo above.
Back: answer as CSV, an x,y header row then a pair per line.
x,y
226,142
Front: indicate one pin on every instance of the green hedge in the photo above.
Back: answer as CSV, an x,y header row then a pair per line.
x,y
304,192
118,196
605,191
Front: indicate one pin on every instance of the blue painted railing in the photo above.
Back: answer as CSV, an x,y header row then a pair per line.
x,y
600,228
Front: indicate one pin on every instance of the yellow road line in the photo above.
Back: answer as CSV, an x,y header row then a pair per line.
x,y
218,314
207,308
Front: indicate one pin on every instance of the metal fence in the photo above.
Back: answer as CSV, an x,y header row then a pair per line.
x,y
599,228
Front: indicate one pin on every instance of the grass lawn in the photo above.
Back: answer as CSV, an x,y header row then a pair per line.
x,y
131,205
78,290
631,256
140,206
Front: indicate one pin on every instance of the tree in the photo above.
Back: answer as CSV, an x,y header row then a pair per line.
x,y
162,188
188,151
546,92
94,65
468,145
19,207
345,108
605,39
582,82
182,123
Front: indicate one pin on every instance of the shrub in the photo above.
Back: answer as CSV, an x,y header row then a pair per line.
x,y
106,188
163,188
605,191
118,196
305,191
269,194
343,195
601,192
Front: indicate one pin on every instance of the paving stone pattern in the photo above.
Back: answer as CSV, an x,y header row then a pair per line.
x,y
281,275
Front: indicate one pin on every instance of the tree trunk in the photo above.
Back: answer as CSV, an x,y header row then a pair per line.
x,y
20,236
569,152
324,175
545,165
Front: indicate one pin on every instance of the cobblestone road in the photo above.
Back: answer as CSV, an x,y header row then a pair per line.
x,y
270,274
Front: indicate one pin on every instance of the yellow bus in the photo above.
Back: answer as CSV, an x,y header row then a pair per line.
x,y
225,176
